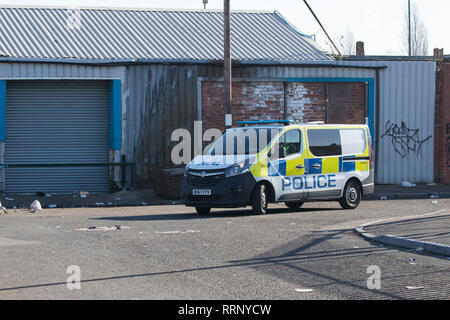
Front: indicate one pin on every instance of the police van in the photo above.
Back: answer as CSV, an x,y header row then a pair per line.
x,y
263,162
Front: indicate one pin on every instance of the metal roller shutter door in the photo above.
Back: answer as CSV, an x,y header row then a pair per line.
x,y
56,121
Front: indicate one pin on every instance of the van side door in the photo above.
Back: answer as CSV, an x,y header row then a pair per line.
x,y
324,163
287,166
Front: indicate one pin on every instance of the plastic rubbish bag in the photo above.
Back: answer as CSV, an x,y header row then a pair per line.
x,y
2,209
35,206
408,184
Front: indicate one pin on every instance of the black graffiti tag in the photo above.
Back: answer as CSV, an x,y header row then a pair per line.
x,y
404,139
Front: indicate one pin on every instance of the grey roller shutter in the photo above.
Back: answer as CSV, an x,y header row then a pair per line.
x,y
56,121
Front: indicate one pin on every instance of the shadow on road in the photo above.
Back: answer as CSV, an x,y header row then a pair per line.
x,y
312,261
215,214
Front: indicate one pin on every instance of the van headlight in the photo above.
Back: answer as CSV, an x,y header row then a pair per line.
x,y
186,169
239,168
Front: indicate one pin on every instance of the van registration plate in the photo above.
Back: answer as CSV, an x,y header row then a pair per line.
x,y
201,192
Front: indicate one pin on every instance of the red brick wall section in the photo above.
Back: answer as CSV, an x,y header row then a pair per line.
x,y
437,123
250,101
347,103
444,112
306,102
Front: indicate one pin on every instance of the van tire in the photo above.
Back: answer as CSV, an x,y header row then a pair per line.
x,y
259,199
203,211
351,196
294,205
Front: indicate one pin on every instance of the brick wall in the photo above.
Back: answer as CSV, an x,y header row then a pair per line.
x,y
347,103
305,102
442,121
250,101
437,122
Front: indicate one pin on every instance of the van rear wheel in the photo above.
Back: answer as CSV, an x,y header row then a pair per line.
x,y
203,210
352,195
259,199
294,205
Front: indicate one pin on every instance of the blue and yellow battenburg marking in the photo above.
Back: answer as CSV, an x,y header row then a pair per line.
x,y
319,165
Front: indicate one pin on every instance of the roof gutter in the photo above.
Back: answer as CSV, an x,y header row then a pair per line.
x,y
236,64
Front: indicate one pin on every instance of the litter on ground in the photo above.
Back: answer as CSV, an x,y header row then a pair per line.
x,y
177,232
414,287
408,184
95,228
304,290
35,206
2,209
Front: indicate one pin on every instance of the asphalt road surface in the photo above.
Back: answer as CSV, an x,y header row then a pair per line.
x,y
169,252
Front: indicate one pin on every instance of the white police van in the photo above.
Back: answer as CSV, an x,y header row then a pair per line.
x,y
265,161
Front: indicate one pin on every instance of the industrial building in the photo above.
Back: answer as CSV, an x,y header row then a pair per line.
x,y
86,88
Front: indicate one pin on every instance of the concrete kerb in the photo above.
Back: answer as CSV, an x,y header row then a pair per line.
x,y
402,242
405,196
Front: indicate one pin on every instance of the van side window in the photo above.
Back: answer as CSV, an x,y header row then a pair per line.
x,y
324,142
291,141
353,141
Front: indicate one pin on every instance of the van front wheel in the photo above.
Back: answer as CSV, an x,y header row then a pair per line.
x,y
352,195
259,199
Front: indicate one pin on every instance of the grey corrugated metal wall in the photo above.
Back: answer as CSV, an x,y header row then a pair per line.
x,y
406,123
55,121
405,128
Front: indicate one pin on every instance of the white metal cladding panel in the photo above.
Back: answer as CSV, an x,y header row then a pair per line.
x,y
57,122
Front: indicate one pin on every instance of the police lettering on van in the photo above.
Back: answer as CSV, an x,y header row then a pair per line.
x,y
264,162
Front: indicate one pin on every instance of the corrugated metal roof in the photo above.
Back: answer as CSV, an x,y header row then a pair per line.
x,y
149,35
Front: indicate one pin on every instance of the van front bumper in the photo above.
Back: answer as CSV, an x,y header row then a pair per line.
x,y
230,192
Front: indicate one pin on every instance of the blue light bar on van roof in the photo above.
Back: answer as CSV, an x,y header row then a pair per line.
x,y
285,122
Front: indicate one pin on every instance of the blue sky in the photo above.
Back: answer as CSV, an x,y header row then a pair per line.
x,y
378,23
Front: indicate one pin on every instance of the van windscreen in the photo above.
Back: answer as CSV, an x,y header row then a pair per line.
x,y
242,141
